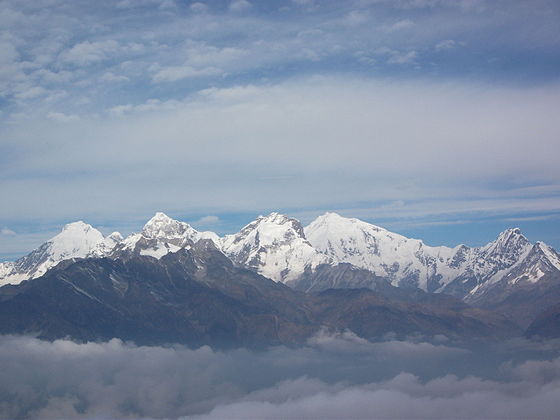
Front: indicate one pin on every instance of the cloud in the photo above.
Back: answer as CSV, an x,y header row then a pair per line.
x,y
7,232
447,44
355,18
198,7
240,149
244,102
332,378
61,117
86,53
112,77
239,5
208,220
174,73
151,105
401,24
398,57
403,397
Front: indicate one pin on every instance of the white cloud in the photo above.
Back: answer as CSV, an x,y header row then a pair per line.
x,y
208,220
175,73
446,44
242,148
151,105
199,7
86,53
7,232
397,57
341,376
400,25
61,117
239,5
355,18
112,77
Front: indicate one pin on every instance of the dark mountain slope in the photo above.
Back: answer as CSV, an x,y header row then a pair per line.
x,y
198,296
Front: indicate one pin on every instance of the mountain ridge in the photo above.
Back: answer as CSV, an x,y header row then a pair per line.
x,y
332,251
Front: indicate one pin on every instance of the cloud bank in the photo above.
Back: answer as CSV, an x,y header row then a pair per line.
x,y
334,376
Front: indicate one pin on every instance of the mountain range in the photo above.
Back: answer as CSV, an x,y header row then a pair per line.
x,y
508,277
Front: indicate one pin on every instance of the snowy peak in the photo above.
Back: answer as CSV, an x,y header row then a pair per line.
x,y
105,247
162,235
275,246
510,244
331,219
267,231
541,260
163,226
399,259
76,240
549,253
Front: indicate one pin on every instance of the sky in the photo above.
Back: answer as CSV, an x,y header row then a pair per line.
x,y
435,119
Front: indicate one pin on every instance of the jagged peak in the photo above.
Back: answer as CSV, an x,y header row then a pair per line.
x,y
510,232
275,217
509,235
549,252
161,225
510,242
116,236
272,221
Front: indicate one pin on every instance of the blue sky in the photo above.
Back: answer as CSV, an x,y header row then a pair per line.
x,y
435,119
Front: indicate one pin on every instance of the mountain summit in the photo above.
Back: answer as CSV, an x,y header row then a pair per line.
x,y
76,240
274,246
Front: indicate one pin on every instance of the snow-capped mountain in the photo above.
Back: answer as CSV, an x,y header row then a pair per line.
x,y
410,262
161,235
76,240
278,247
404,261
536,262
274,246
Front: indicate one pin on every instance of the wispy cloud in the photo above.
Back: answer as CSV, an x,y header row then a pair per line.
x,y
7,232
208,220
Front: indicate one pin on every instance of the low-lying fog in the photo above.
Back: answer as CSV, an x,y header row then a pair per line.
x,y
336,375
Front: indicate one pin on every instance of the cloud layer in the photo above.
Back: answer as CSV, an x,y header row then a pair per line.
x,y
334,376
395,111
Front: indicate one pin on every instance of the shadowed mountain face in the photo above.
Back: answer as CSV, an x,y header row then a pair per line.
x,y
197,296
547,324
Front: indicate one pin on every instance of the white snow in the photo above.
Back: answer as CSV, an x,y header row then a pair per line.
x,y
275,247
76,240
160,250
551,255
396,257
279,248
376,249
162,235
